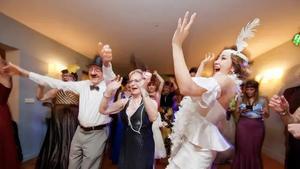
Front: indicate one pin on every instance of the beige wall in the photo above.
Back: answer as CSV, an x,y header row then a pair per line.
x,y
287,58
36,51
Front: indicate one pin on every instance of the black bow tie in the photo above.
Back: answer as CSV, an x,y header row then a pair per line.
x,y
94,88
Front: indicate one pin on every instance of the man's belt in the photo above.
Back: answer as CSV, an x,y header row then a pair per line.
x,y
99,127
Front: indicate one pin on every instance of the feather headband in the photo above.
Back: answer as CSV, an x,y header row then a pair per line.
x,y
246,33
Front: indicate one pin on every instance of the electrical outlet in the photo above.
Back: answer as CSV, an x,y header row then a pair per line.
x,y
29,100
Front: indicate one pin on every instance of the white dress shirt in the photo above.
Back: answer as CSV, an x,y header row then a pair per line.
x,y
89,100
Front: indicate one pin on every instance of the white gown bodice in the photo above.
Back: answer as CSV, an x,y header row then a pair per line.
x,y
196,120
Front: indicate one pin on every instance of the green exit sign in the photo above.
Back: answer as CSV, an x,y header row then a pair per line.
x,y
296,39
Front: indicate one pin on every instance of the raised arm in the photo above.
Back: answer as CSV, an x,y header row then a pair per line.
x,y
15,70
115,107
150,104
161,82
40,95
173,81
106,54
184,80
108,73
208,58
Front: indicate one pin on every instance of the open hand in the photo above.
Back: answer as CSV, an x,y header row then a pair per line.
x,y
147,78
11,69
279,104
209,57
183,28
115,84
105,52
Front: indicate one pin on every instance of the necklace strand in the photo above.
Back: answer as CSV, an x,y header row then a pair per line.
x,y
129,121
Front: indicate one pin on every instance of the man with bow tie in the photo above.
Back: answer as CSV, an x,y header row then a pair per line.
x,y
90,137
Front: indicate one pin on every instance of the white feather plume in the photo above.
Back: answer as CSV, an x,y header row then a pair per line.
x,y
246,33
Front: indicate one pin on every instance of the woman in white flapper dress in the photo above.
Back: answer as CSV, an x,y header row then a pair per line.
x,y
196,138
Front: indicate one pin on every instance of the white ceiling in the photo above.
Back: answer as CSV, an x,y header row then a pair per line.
x,y
145,27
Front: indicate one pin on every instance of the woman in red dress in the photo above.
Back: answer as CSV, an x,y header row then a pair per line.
x,y
8,151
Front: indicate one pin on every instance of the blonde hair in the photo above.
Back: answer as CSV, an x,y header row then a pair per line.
x,y
135,71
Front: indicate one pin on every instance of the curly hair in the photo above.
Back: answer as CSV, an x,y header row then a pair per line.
x,y
154,81
240,66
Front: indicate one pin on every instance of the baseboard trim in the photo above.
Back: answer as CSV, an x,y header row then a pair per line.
x,y
30,156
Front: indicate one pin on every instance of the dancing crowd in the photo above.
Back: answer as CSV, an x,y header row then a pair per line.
x,y
195,122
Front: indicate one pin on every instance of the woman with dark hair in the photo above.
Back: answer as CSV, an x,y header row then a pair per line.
x,y
196,138
252,109
155,87
8,148
193,71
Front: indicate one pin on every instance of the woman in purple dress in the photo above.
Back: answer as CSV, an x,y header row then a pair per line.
x,y
250,130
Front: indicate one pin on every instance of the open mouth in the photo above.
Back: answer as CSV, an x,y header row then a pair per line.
x,y
133,88
216,67
94,76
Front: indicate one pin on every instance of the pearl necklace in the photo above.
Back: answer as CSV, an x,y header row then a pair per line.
x,y
129,121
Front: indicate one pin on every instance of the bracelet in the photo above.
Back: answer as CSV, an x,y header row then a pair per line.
x,y
108,97
283,113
